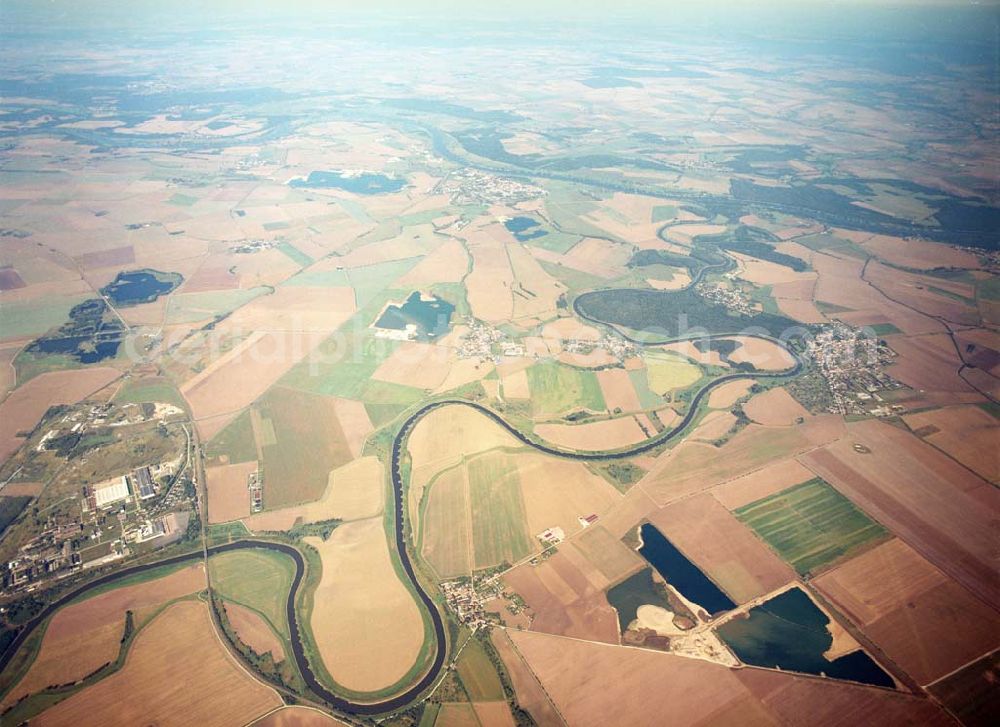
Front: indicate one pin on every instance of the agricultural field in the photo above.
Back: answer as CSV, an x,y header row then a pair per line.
x,y
257,580
451,321
366,626
84,636
559,389
925,621
810,525
215,690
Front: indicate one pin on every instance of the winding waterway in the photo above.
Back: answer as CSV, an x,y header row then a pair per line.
x,y
437,623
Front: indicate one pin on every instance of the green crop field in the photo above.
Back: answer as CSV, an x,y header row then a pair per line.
x,y
256,579
666,372
499,522
191,307
235,441
34,317
559,389
444,525
150,390
308,444
810,525
478,674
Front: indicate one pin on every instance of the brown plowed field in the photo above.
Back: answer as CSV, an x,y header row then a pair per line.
x,y
298,717
605,434
722,547
805,701
938,507
254,631
967,433
213,690
530,695
22,410
83,636
228,496
564,601
775,408
694,467
768,480
925,621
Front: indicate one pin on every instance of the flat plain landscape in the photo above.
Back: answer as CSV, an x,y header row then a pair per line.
x,y
422,373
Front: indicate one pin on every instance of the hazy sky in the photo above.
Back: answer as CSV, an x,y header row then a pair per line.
x,y
806,18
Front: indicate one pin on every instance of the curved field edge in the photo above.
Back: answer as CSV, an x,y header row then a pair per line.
x,y
35,703
20,661
304,608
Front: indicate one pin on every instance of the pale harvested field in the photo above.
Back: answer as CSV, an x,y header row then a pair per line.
x,y
592,360
570,329
727,394
688,350
228,496
557,491
463,371
83,636
24,408
515,385
927,362
722,547
679,280
535,292
563,601
627,512
804,311
355,423
493,714
618,391
585,681
214,690
298,717
491,281
926,622
238,378
919,253
686,233
762,272
775,408
942,510
295,309
693,467
446,525
446,435
447,264
714,426
603,557
366,626
530,694
456,714
795,700
763,354
840,283
921,292
769,480
599,435
598,257
353,492
422,365
254,631
967,433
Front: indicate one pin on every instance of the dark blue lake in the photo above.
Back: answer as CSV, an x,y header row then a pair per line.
x,y
524,228
681,573
790,632
363,183
431,317
140,286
